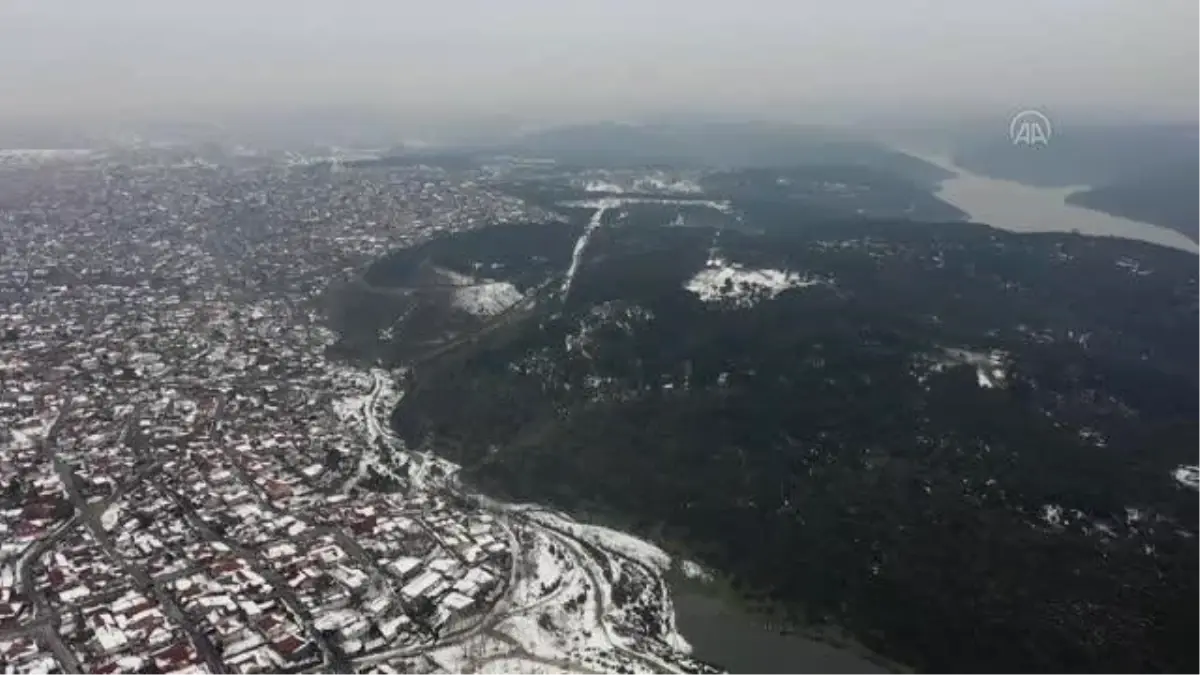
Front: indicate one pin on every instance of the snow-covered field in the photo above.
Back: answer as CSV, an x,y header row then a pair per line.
x,y
472,654
615,202
648,184
487,299
607,539
564,604
652,184
518,666
723,282
603,186
989,366
694,570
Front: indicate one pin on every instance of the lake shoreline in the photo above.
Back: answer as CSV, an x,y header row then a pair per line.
x,y
730,635
1016,207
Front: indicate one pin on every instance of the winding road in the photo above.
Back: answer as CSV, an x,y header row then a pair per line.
x,y
512,517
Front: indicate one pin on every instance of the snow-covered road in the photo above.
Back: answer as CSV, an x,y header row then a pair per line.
x,y
601,206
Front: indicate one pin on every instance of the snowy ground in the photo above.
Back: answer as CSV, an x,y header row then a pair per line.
x,y
615,202
989,366
693,570
649,184
487,299
607,539
363,414
1188,476
730,283
603,186
580,598
472,655
518,666
580,620
659,185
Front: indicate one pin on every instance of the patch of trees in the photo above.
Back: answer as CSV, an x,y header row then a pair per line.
x,y
1164,196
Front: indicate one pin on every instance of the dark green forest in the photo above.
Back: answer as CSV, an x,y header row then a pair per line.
x,y
1167,196
832,190
834,449
808,448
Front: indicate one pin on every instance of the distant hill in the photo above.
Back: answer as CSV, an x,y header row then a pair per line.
x,y
729,145
1091,155
840,190
1166,196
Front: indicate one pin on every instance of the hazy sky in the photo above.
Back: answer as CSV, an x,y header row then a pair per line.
x,y
579,59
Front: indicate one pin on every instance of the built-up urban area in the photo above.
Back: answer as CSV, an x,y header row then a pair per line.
x,y
171,429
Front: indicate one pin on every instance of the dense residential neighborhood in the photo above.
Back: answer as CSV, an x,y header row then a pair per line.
x,y
183,466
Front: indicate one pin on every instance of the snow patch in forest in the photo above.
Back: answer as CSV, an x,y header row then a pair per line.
x,y
624,544
694,570
990,372
1188,476
488,299
724,282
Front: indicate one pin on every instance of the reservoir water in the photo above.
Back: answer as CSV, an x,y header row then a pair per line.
x,y
735,639
1021,208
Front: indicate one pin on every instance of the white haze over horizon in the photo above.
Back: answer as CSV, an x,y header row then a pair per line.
x,y
551,61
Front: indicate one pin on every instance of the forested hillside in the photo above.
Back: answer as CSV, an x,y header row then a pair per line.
x,y
959,444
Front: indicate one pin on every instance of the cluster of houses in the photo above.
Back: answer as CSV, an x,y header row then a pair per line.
x,y
166,427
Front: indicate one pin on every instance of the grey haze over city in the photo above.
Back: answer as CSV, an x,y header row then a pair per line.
x,y
547,62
